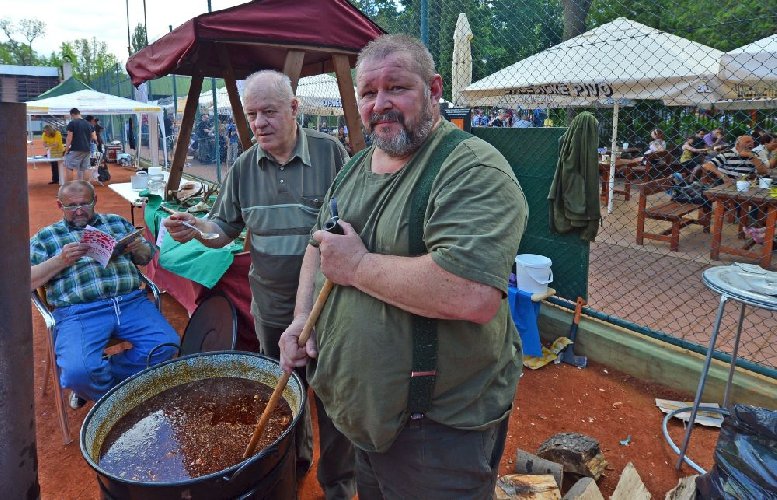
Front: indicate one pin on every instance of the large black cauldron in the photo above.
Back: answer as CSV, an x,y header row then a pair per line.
x,y
268,474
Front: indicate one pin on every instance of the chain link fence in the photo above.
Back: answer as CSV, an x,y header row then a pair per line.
x,y
677,88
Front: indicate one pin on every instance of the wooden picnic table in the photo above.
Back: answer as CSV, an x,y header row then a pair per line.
x,y
755,197
627,167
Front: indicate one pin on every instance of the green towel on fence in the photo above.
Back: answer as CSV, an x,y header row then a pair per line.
x,y
192,259
574,193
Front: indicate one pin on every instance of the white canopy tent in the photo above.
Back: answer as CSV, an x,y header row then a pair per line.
x,y
222,100
753,63
750,73
619,60
91,102
319,95
622,59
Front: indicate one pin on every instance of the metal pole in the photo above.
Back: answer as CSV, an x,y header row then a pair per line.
x,y
175,109
175,97
121,120
18,454
613,158
425,22
215,121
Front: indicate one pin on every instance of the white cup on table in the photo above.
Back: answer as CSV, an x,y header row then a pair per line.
x,y
765,182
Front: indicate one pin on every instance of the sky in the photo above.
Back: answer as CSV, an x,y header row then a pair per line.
x,y
105,20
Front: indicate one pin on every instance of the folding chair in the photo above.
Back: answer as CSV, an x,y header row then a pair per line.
x,y
52,371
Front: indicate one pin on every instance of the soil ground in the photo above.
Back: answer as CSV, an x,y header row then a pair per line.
x,y
597,401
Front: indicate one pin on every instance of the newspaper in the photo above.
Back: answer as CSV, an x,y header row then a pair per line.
x,y
102,246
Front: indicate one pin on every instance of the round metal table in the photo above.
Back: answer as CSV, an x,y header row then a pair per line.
x,y
747,284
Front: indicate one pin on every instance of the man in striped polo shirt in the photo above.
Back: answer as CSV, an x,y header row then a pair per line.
x,y
275,189
740,160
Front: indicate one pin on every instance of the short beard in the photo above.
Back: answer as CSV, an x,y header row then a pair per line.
x,y
406,141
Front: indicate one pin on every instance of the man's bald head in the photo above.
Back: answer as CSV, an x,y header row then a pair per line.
x,y
75,187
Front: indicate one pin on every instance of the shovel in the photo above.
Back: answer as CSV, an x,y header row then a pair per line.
x,y
568,354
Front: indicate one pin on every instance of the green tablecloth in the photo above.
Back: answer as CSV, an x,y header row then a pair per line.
x,y
192,260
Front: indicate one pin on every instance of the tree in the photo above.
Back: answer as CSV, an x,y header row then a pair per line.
x,y
90,58
139,38
723,25
575,13
14,51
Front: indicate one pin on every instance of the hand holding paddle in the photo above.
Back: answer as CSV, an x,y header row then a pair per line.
x,y
333,227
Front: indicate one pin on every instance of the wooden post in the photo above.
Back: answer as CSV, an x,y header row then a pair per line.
x,y
234,100
182,144
292,67
18,455
345,84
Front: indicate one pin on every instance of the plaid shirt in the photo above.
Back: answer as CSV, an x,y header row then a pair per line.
x,y
86,280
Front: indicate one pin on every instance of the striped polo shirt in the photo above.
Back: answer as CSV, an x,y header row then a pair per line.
x,y
279,205
731,164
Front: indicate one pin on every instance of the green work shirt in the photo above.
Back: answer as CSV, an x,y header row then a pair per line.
x,y
475,217
278,204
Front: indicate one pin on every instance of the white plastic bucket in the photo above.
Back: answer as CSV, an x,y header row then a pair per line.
x,y
533,272
139,180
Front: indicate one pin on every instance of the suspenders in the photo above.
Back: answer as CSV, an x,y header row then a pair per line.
x,y
424,367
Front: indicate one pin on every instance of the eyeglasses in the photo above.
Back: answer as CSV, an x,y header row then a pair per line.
x,y
74,208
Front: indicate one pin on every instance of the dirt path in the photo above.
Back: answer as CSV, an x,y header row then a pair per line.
x,y
602,403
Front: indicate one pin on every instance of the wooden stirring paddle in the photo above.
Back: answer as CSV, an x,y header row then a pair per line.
x,y
281,385
331,226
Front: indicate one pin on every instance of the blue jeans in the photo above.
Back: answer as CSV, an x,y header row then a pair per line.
x,y
83,332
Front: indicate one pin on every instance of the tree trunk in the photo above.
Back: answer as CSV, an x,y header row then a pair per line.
x,y
575,12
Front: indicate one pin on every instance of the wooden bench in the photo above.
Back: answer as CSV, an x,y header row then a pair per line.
x,y
670,211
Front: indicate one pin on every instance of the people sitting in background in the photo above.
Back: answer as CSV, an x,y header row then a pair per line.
x,y
693,150
479,119
342,136
500,120
538,117
766,149
658,143
52,141
757,132
511,118
731,164
95,303
524,122
205,142
204,127
715,139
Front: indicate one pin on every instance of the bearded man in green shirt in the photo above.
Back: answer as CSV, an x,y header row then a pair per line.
x,y
416,358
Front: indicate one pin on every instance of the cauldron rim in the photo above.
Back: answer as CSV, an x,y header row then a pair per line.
x,y
224,474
